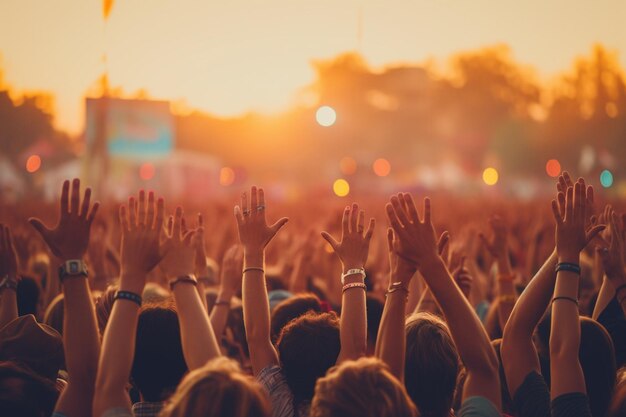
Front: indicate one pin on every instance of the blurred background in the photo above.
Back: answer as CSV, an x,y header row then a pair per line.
x,y
320,99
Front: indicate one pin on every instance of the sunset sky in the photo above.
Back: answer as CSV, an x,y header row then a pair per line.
x,y
230,56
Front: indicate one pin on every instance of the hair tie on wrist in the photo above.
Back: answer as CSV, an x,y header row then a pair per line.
x,y
573,300
129,296
184,278
568,266
253,268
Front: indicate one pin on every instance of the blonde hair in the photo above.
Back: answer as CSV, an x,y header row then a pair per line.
x,y
363,388
217,389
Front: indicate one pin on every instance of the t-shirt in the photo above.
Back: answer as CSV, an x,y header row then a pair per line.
x,y
478,407
275,382
532,399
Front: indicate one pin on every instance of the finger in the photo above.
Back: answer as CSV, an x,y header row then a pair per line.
x,y
238,216
345,222
183,226
188,236
132,212
569,204
390,239
141,211
412,209
170,226
279,224
393,219
593,232
399,211
354,213
261,207
149,222
86,201
360,226
568,180
178,217
331,240
160,214
560,186
65,192
589,199
427,217
124,218
244,203
93,212
253,201
556,213
443,242
200,221
370,229
561,200
75,196
579,201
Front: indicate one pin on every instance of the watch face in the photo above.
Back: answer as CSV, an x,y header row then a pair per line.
x,y
74,268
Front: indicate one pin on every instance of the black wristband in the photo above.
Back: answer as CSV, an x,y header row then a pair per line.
x,y
573,300
567,266
127,295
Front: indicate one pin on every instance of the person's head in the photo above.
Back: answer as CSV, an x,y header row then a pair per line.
x,y
159,364
308,346
432,364
361,388
597,359
24,393
292,308
28,297
218,389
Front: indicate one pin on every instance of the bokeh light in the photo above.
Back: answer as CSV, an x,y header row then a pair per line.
x,y
347,165
381,167
33,163
326,116
553,168
606,178
490,176
227,176
146,171
341,187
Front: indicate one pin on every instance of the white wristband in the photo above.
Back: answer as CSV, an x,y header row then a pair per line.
x,y
349,272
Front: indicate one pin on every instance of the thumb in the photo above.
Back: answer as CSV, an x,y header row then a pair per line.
x,y
39,226
279,224
593,232
331,240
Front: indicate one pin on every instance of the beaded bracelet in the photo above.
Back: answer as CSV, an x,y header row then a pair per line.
x,y
353,285
129,296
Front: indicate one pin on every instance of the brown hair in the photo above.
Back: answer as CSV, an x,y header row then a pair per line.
x,y
432,364
290,309
362,388
218,389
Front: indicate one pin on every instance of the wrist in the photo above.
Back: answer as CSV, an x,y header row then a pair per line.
x,y
571,257
253,258
133,282
225,293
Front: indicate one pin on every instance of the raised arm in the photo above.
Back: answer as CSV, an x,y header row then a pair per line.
x,y
255,234
140,253
68,241
230,282
352,250
196,333
419,244
8,277
391,341
565,369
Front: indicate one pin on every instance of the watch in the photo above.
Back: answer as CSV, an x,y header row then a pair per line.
x,y
73,268
360,271
8,283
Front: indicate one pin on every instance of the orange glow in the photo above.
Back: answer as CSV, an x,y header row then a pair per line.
x,y
553,168
341,187
381,167
146,171
326,116
227,176
33,163
490,176
347,165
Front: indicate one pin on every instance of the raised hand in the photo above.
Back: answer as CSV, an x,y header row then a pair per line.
x,y
497,246
254,232
353,248
570,214
70,237
141,225
417,241
198,243
179,252
8,256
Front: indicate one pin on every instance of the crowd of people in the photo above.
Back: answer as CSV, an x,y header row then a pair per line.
x,y
461,309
